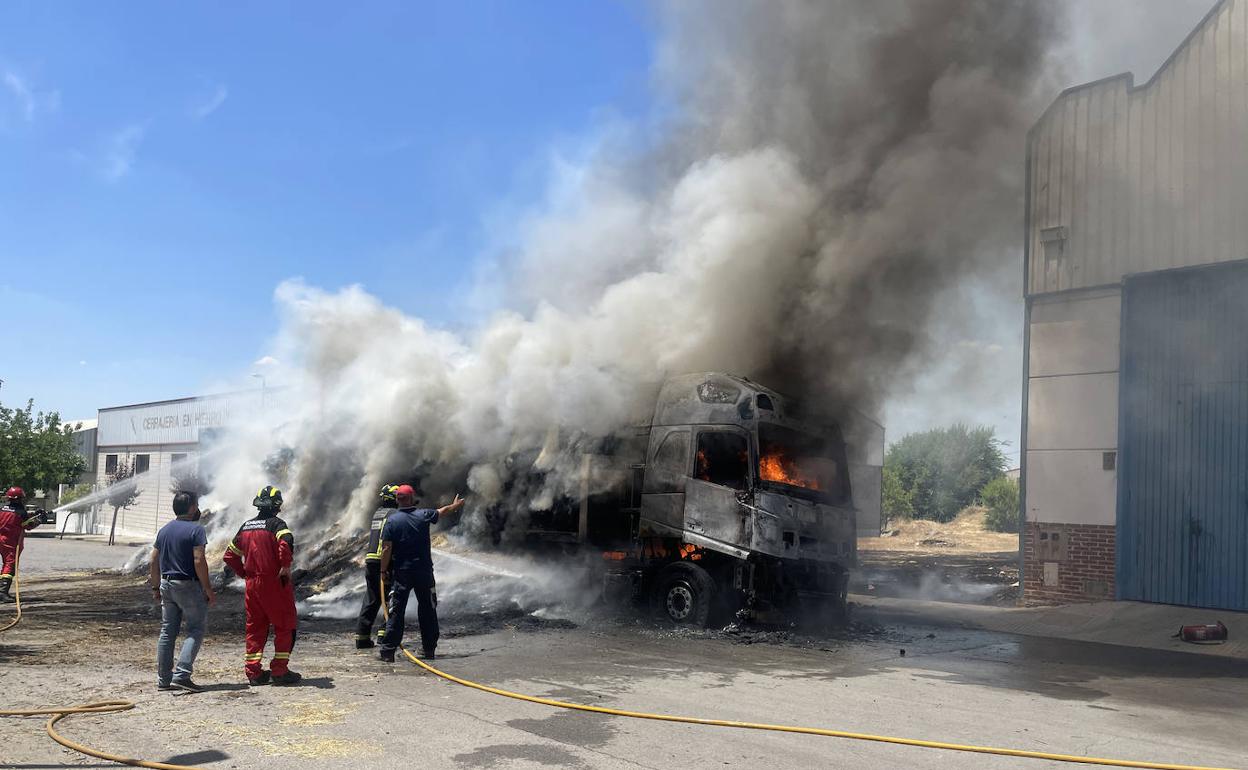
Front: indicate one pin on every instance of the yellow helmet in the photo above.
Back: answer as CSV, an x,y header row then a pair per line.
x,y
268,499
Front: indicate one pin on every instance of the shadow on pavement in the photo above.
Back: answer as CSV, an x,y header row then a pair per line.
x,y
230,687
195,758
318,683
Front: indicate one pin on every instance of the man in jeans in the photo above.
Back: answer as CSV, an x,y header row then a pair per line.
x,y
179,580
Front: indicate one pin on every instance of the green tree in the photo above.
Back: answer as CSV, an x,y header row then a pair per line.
x,y
898,500
75,492
941,471
123,492
1000,497
36,451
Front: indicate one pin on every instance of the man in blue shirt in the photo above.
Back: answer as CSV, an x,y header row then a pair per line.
x,y
179,579
405,545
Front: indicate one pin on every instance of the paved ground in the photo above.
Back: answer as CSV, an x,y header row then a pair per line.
x,y
966,578
45,553
1129,624
91,637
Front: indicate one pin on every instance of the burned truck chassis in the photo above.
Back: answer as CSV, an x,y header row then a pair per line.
x,y
697,586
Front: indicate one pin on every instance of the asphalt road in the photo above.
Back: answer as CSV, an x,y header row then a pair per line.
x,y
45,553
93,637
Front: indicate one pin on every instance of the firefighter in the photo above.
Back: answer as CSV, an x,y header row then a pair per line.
x,y
14,521
405,544
261,554
372,572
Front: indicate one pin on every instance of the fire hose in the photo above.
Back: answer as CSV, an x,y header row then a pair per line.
x,y
57,713
829,733
107,707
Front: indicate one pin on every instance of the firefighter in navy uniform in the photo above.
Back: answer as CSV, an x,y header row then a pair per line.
x,y
261,554
405,546
372,572
14,521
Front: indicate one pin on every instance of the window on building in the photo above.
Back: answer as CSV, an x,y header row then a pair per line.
x,y
723,458
670,466
177,457
110,464
142,463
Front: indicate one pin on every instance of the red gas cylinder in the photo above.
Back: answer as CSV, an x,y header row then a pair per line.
x,y
1209,632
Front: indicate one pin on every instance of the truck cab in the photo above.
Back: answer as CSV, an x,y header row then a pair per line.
x,y
728,500
743,505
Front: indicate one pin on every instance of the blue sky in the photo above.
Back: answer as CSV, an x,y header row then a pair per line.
x,y
165,166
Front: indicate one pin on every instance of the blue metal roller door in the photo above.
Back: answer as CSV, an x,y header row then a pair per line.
x,y
1183,438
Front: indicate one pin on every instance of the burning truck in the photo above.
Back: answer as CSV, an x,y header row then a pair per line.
x,y
730,499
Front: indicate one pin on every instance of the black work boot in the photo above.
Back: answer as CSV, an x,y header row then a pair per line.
x,y
290,677
264,678
386,656
5,596
429,654
364,644
186,684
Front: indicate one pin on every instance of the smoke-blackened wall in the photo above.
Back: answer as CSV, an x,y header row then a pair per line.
x,y
824,173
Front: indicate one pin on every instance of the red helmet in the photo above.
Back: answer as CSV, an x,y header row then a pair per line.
x,y
15,493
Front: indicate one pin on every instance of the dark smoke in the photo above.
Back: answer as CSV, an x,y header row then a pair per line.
x,y
909,120
830,171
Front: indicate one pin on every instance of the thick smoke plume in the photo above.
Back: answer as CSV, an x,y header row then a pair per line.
x,y
826,172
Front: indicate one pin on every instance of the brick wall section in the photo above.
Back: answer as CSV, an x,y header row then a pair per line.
x,y
1085,571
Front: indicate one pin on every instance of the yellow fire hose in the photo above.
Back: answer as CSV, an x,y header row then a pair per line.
x,y
791,728
56,714
108,707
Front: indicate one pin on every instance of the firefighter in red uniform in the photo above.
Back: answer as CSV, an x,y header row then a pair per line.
x,y
14,521
261,553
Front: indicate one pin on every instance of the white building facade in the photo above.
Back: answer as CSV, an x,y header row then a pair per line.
x,y
1135,391
162,442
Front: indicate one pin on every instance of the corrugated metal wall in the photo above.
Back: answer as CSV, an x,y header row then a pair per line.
x,y
1125,180
1183,477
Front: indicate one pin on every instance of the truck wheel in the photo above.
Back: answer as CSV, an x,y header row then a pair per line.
x,y
685,594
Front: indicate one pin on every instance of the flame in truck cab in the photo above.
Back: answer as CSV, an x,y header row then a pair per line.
x,y
811,461
783,469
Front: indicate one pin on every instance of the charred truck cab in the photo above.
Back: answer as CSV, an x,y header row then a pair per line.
x,y
727,501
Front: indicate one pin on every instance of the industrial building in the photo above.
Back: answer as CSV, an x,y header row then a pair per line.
x,y
864,439
161,442
1135,388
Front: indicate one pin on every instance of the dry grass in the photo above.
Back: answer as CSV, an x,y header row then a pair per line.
x,y
285,744
965,534
318,711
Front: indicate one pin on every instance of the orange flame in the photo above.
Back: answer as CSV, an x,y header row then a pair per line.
x,y
783,469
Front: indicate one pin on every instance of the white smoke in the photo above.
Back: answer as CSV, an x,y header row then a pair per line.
x,y
832,170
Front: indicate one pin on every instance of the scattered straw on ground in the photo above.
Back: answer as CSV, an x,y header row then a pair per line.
x,y
318,711
965,534
275,743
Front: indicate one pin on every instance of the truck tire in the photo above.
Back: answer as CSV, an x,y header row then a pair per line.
x,y
685,594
